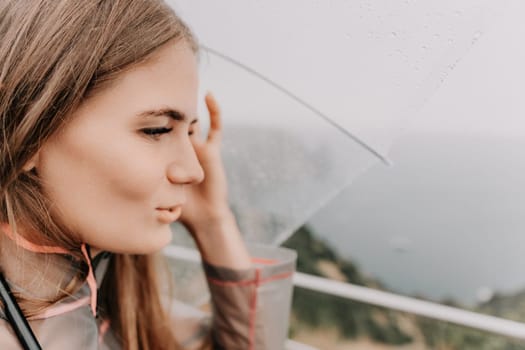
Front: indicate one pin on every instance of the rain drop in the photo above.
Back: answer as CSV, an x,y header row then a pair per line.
x,y
401,244
476,37
394,34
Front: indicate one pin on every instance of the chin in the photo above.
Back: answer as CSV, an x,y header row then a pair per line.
x,y
147,244
155,245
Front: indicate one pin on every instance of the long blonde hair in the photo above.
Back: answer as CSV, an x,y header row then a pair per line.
x,y
53,55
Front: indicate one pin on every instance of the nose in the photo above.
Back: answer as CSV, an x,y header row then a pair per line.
x,y
185,168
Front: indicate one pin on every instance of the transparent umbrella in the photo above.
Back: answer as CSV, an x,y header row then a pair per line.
x,y
315,92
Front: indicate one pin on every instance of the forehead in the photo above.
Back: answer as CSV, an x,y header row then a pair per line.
x,y
167,80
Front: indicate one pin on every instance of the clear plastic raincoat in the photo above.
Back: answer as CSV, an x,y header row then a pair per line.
x,y
250,310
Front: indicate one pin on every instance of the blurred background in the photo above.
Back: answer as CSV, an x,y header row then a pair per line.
x,y
444,222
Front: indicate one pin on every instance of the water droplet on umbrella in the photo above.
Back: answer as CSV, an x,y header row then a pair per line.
x,y
476,37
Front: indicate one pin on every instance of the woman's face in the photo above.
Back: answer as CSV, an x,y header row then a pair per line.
x,y
117,172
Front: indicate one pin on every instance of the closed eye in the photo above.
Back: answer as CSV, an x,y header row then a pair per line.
x,y
156,132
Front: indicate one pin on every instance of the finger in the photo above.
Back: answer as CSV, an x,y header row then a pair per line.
x,y
215,117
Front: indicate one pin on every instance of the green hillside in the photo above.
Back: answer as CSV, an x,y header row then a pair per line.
x,y
350,321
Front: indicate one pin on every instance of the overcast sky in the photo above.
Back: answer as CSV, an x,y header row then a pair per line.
x,y
437,85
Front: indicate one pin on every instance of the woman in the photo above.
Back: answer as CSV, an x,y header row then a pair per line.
x,y
101,150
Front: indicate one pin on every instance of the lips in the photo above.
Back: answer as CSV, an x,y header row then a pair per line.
x,y
167,215
172,208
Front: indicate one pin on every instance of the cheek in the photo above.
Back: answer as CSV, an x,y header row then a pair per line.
x,y
130,174
108,183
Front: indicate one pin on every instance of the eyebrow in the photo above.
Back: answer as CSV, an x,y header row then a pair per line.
x,y
167,112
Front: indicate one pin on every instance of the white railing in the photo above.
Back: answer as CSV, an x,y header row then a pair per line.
x,y
414,306
293,345
432,310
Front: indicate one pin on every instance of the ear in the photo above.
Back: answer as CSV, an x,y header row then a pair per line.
x,y
32,163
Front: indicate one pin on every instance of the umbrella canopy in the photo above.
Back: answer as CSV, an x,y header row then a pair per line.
x,y
315,92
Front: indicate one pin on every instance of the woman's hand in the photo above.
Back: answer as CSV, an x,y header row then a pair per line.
x,y
208,200
206,212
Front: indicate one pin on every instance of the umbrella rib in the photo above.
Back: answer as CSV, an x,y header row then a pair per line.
x,y
298,100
